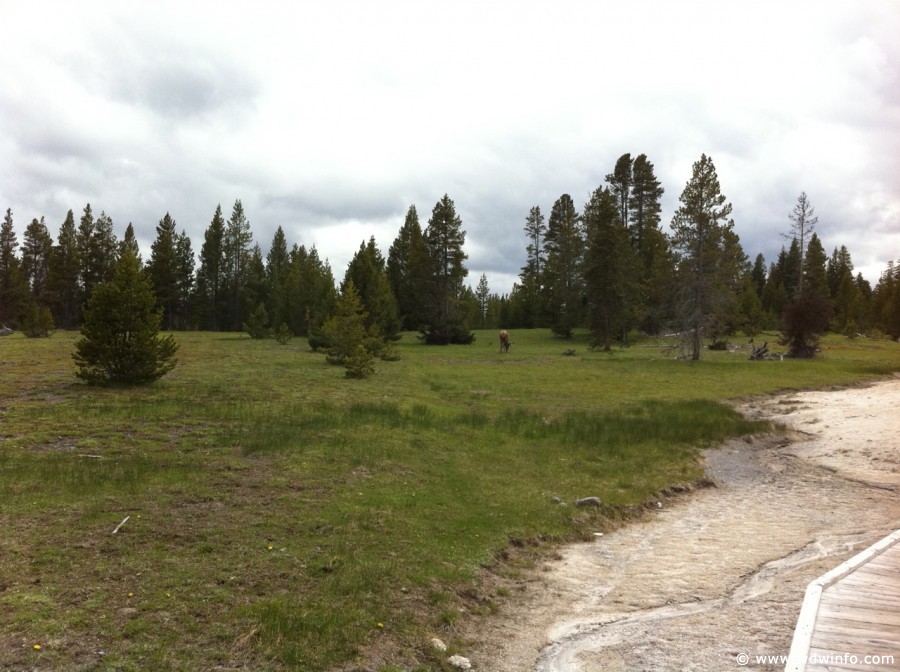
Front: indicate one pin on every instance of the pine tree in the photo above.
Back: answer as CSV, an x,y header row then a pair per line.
x,y
792,267
368,273
759,275
775,296
210,292
861,314
482,295
532,274
848,305
129,244
38,321
735,268
839,264
104,248
62,281
311,293
563,277
806,316
346,332
814,266
444,240
257,324
885,305
752,317
611,270
409,272
278,264
13,282
184,280
803,221
620,183
650,244
699,236
36,248
254,289
644,211
162,270
237,255
120,341
84,239
805,320
97,250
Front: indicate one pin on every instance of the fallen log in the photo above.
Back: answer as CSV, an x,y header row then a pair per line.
x,y
761,352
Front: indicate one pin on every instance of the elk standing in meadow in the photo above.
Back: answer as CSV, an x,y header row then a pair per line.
x,y
504,341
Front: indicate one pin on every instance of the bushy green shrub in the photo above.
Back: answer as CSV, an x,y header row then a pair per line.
x,y
257,325
361,364
120,341
283,334
38,322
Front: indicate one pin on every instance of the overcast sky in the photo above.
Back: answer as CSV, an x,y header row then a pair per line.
x,y
331,118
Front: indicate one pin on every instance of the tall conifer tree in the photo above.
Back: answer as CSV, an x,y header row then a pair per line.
x,y
163,272
210,287
620,184
13,283
367,272
130,245
184,280
532,274
237,255
409,272
563,272
444,240
610,270
65,265
803,222
700,227
278,264
36,249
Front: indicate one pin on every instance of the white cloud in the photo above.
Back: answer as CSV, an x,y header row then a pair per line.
x,y
330,119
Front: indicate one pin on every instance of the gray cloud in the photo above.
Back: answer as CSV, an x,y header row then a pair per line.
x,y
331,120
183,86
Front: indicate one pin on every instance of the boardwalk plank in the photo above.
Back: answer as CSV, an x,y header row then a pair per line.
x,y
845,591
861,613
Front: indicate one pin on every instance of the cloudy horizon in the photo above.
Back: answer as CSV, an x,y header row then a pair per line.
x,y
330,120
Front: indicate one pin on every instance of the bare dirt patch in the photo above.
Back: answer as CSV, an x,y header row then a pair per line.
x,y
721,571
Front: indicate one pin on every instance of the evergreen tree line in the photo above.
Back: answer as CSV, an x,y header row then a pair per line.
x,y
609,267
230,286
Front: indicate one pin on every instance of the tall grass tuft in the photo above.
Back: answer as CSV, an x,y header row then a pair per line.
x,y
81,476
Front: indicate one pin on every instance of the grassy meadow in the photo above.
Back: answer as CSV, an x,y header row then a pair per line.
x,y
283,517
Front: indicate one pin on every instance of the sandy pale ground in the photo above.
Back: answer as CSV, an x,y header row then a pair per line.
x,y
722,571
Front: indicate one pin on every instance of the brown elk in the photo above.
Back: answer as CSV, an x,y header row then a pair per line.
x,y
504,341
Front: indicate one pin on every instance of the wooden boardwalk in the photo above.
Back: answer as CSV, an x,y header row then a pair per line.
x,y
850,618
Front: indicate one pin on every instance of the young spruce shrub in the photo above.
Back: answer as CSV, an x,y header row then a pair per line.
x,y
361,364
350,342
120,341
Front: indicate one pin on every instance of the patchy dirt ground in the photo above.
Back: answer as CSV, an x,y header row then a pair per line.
x,y
721,571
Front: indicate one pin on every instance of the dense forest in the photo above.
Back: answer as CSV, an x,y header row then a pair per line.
x,y
609,267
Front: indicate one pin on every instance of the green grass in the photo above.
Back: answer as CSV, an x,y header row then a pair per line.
x,y
283,517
